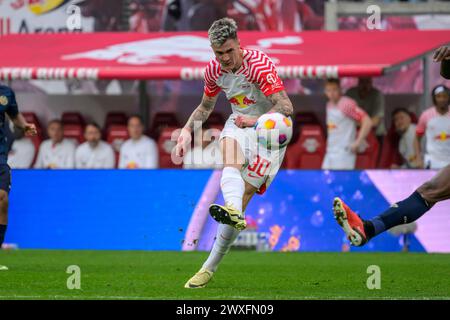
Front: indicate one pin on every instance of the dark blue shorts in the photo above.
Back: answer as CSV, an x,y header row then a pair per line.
x,y
5,177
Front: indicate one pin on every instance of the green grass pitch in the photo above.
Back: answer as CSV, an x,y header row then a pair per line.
x,y
41,274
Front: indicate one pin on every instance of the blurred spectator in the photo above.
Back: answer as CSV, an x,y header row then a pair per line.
x,y
56,152
94,153
407,142
145,15
371,100
22,151
140,151
206,153
434,123
342,116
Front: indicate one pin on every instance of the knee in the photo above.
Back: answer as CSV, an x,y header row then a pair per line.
x,y
427,187
3,196
3,199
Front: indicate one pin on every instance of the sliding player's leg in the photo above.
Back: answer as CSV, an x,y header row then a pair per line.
x,y
5,181
360,231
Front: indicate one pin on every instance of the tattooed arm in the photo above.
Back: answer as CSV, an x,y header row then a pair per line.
x,y
201,113
197,118
281,103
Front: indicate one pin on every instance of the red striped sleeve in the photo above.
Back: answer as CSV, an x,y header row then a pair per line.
x,y
349,107
263,72
212,73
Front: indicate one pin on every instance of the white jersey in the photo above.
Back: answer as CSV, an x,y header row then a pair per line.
x,y
436,128
100,157
56,156
247,88
22,154
139,154
341,124
406,146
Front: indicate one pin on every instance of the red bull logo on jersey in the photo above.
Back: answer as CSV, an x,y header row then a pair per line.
x,y
443,136
241,101
38,7
331,126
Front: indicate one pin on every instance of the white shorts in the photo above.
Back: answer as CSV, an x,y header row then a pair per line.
x,y
261,165
339,161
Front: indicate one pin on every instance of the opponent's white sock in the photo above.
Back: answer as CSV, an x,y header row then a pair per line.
x,y
224,239
233,187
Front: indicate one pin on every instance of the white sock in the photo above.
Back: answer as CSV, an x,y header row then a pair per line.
x,y
233,187
224,239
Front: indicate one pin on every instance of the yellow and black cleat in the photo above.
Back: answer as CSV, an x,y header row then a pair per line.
x,y
228,215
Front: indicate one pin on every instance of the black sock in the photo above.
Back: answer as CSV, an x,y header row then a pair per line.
x,y
369,229
2,234
405,211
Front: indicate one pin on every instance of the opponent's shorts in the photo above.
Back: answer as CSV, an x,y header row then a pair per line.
x,y
5,178
261,165
343,160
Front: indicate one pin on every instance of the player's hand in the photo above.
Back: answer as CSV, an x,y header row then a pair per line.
x,y
441,54
183,143
245,121
354,147
30,130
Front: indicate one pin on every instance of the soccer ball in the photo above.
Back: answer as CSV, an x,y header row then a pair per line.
x,y
273,130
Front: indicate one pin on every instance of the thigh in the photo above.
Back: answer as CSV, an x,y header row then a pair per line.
x,y
438,188
5,178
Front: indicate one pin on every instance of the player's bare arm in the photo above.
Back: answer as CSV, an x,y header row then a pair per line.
x,y
29,128
366,126
200,115
281,103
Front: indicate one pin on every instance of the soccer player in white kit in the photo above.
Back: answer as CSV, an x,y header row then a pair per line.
x,y
251,84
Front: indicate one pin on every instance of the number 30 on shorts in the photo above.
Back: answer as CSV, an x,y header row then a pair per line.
x,y
260,166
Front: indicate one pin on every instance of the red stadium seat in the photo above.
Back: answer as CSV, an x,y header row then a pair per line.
x,y
367,159
160,121
37,140
117,134
215,119
308,151
165,147
72,118
115,118
302,118
73,131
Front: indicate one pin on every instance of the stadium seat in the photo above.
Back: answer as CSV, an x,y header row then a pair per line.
x,y
309,149
74,131
165,147
117,134
302,118
72,118
367,159
215,119
115,118
160,121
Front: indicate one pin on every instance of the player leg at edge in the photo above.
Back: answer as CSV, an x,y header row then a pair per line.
x,y
237,194
360,231
3,220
